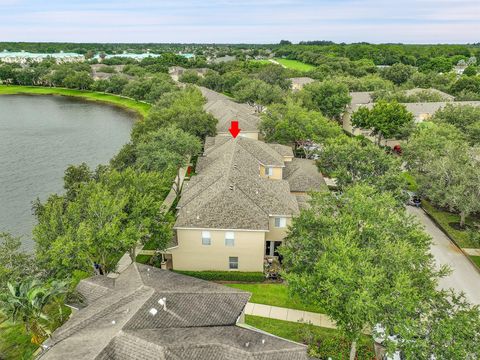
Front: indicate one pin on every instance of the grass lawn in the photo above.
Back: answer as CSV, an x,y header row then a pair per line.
x,y
126,103
329,341
444,218
15,342
295,64
475,259
412,184
275,295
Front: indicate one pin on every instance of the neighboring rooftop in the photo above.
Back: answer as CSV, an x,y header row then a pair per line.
x,y
443,95
361,97
130,321
299,82
303,176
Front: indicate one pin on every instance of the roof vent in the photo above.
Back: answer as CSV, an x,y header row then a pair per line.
x,y
247,344
263,341
163,302
153,311
232,187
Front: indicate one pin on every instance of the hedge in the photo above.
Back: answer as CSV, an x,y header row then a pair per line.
x,y
225,275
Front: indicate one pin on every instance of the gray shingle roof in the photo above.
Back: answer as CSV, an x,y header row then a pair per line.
x,y
228,192
199,322
303,175
301,80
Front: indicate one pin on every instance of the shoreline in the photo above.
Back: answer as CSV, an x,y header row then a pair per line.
x,y
139,108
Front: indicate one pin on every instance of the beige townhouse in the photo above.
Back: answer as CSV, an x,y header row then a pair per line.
x,y
235,212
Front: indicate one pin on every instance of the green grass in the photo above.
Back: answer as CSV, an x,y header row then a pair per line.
x,y
15,342
475,259
412,183
327,342
275,295
143,259
295,64
444,218
126,103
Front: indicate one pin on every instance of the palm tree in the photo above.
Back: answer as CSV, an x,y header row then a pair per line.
x,y
26,302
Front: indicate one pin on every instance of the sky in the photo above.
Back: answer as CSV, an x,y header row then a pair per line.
x,y
240,21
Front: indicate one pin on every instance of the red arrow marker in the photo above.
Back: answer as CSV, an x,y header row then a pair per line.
x,y
234,130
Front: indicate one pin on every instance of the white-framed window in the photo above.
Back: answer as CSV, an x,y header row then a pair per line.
x,y
268,171
206,238
280,222
233,262
229,238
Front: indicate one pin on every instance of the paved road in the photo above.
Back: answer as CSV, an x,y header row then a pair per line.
x,y
464,276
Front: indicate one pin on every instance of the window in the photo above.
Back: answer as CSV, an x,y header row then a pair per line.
x,y
206,238
229,238
280,222
268,171
233,262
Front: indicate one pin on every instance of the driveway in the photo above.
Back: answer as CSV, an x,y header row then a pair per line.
x,y
464,277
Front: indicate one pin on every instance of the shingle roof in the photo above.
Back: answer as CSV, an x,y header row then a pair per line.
x,y
361,97
224,109
198,323
303,175
228,192
301,80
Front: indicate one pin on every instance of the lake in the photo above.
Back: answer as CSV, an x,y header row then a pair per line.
x,y
39,137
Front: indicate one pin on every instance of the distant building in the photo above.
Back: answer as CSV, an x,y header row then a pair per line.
x,y
23,57
148,313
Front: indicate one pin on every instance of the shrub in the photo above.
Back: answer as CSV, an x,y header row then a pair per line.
x,y
225,275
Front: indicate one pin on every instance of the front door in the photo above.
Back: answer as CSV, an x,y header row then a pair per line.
x,y
271,248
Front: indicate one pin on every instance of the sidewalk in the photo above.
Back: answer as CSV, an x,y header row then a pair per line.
x,y
125,260
280,313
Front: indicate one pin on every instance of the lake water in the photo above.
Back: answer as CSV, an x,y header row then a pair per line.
x,y
39,137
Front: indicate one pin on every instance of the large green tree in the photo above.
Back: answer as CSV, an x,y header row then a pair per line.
x,y
352,161
362,259
329,97
386,120
398,73
464,117
257,93
292,124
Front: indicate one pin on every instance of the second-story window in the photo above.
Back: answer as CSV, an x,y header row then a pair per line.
x,y
229,238
268,171
280,222
206,238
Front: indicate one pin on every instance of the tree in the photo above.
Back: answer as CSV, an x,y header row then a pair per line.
x,y
440,64
470,70
78,80
274,75
398,73
387,120
26,301
292,124
189,76
74,177
165,148
447,170
328,97
362,259
180,108
15,263
257,93
466,118
351,161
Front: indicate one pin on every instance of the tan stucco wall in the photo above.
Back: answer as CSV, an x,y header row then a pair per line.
x,y
277,234
192,255
277,173
287,158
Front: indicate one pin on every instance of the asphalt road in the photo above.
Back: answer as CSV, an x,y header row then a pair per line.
x,y
464,277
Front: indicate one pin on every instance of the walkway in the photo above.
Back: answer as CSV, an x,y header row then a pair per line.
x,y
280,313
125,260
465,276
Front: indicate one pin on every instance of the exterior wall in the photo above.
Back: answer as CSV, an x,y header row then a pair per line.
x,y
250,135
192,255
288,158
277,234
277,173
